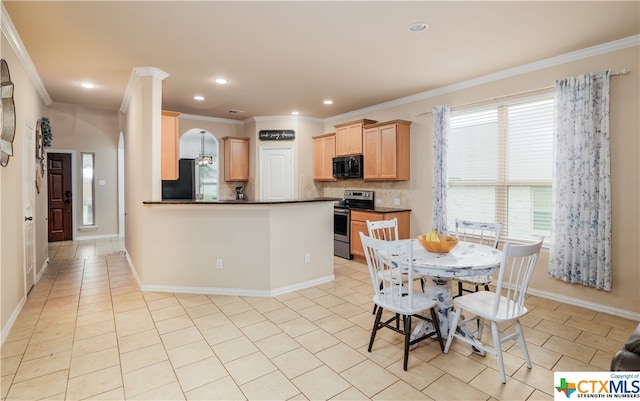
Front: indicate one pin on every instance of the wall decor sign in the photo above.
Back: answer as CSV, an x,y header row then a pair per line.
x,y
7,114
277,135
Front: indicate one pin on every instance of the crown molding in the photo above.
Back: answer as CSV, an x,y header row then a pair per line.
x,y
284,118
9,31
136,73
592,51
211,119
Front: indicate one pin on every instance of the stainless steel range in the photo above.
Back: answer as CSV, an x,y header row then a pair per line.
x,y
353,199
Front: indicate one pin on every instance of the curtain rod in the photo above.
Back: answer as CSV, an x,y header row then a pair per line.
x,y
624,71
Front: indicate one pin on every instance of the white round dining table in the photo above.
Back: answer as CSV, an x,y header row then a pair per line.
x,y
467,259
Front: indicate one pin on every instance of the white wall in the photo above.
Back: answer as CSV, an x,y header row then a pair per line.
x,y
29,108
91,130
625,169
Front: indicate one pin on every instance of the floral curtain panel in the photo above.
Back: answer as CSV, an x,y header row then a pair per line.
x,y
581,232
441,122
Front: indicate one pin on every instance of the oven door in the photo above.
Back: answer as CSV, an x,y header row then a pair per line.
x,y
341,224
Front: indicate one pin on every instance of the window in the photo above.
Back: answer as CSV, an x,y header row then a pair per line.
x,y
87,189
202,147
207,181
499,166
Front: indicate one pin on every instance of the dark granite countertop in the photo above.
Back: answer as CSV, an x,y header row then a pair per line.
x,y
235,202
385,210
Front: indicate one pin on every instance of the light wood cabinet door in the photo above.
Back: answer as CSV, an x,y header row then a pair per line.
x,y
359,224
236,159
169,145
372,153
386,151
324,149
349,137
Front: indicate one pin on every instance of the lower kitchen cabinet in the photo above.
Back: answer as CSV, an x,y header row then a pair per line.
x,y
359,225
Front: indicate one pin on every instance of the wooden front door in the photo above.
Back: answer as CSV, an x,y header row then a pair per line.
x,y
60,197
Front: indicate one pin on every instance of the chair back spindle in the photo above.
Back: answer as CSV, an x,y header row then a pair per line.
x,y
482,233
385,229
385,259
515,274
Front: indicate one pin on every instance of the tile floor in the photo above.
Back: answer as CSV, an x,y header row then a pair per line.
x,y
88,332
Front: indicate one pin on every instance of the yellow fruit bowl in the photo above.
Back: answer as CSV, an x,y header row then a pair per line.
x,y
446,243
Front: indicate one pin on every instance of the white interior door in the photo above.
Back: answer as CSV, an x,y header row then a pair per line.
x,y
28,203
276,174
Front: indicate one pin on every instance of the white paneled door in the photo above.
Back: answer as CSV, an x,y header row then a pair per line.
x,y
28,203
276,174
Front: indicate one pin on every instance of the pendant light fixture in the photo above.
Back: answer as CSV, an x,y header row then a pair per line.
x,y
202,159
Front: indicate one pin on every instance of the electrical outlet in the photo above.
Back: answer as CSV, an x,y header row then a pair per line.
x,y
396,201
307,257
218,263
378,201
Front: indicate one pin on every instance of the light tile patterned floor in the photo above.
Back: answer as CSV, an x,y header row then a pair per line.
x,y
88,332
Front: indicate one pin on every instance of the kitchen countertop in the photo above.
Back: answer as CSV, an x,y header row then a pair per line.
x,y
235,202
388,210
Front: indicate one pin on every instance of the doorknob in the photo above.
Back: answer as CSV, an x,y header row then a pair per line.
x,y
28,218
67,201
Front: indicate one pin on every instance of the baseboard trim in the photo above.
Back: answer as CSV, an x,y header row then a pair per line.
x,y
228,291
42,269
95,237
627,314
16,312
239,291
12,319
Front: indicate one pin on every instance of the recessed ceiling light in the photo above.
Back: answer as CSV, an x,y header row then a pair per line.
x,y
328,101
418,27
221,81
295,113
87,85
198,97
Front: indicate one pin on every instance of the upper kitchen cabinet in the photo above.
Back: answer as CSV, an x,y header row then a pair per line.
x,y
169,152
236,159
349,137
324,149
386,151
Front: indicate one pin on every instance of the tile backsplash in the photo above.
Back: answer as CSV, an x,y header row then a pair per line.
x,y
385,192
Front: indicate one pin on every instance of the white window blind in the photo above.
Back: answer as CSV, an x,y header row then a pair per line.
x,y
499,166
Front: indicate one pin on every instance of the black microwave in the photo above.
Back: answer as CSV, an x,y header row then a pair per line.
x,y
347,166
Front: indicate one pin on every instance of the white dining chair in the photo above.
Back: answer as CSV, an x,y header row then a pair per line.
x,y
481,233
516,269
387,230
384,258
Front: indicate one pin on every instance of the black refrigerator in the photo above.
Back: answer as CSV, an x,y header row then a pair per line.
x,y
184,187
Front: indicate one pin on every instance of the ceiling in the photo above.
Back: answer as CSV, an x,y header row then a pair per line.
x,y
286,56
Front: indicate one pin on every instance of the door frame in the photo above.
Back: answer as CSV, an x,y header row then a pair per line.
x,y
121,166
74,222
29,202
263,150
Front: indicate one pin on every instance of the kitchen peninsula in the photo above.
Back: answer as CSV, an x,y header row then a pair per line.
x,y
249,248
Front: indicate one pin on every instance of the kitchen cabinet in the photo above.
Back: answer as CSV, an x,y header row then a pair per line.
x,y
169,145
386,151
324,149
236,159
349,137
359,225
